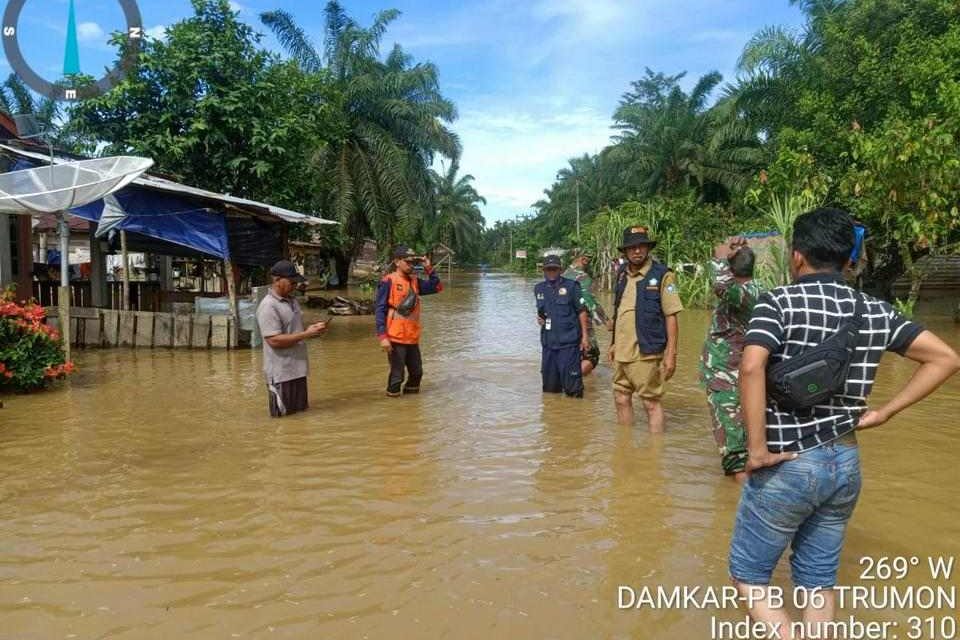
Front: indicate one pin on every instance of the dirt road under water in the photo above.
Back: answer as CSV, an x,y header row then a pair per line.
x,y
151,497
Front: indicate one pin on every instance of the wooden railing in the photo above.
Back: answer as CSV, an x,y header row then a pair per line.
x,y
146,329
144,296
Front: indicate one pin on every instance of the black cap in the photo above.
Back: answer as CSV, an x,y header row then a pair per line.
x,y
285,269
634,236
403,251
551,261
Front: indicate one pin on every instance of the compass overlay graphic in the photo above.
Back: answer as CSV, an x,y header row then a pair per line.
x,y
65,89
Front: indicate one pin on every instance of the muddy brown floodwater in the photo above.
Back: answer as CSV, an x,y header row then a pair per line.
x,y
151,497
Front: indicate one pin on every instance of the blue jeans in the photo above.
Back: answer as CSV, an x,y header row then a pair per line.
x,y
805,503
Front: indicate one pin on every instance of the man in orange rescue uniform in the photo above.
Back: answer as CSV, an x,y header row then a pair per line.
x,y
398,318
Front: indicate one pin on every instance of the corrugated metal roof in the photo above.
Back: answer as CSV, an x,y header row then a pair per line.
x,y
162,184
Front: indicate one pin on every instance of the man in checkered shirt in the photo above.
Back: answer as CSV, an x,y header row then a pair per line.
x,y
804,465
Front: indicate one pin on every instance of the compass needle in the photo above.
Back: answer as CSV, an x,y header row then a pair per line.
x,y
71,57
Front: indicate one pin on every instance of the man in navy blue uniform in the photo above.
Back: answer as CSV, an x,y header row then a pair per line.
x,y
563,330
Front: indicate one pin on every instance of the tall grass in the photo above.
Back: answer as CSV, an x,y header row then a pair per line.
x,y
782,212
696,288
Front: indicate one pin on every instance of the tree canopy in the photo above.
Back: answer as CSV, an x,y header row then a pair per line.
x,y
339,129
859,108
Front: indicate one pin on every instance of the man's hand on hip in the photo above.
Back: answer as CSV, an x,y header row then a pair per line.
x,y
872,418
764,458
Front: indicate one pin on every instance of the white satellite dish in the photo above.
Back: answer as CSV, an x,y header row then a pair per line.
x,y
59,187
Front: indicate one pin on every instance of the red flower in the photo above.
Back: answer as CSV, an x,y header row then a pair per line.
x,y
69,367
8,374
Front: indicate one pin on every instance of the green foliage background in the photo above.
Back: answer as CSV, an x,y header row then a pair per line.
x,y
859,109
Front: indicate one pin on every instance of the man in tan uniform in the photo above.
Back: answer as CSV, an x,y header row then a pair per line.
x,y
644,346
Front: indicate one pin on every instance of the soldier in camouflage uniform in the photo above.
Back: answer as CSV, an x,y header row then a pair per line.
x,y
737,293
577,271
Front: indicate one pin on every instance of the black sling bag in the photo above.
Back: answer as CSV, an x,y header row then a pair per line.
x,y
820,372
405,308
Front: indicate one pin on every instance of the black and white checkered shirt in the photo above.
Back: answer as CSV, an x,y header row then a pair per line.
x,y
788,320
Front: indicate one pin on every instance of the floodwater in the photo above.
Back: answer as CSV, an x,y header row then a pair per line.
x,y
151,497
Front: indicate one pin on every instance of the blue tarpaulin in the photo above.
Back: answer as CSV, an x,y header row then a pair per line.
x,y
165,217
162,216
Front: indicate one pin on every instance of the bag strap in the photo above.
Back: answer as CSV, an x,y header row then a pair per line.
x,y
859,310
618,290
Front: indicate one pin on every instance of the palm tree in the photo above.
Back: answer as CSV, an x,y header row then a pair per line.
x,y
599,185
393,124
16,99
670,140
457,220
778,64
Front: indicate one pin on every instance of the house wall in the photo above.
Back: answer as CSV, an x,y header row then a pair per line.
x,y
16,260
7,245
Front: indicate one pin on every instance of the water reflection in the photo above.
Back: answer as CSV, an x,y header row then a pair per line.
x,y
153,497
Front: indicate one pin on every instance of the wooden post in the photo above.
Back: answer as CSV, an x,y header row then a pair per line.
x,y
43,247
166,273
64,294
228,271
125,257
98,271
24,232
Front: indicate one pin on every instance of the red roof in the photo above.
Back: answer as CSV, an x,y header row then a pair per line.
x,y
49,222
7,128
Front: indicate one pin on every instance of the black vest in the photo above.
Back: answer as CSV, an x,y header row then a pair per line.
x,y
561,305
651,323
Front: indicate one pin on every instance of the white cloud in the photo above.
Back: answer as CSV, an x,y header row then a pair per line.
x,y
90,32
158,32
588,15
514,151
239,7
537,83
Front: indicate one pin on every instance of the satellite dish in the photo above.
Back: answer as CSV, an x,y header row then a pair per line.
x,y
59,187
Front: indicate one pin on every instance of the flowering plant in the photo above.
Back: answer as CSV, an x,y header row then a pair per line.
x,y
31,352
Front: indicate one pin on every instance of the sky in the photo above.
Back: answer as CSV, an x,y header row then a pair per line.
x,y
535,82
